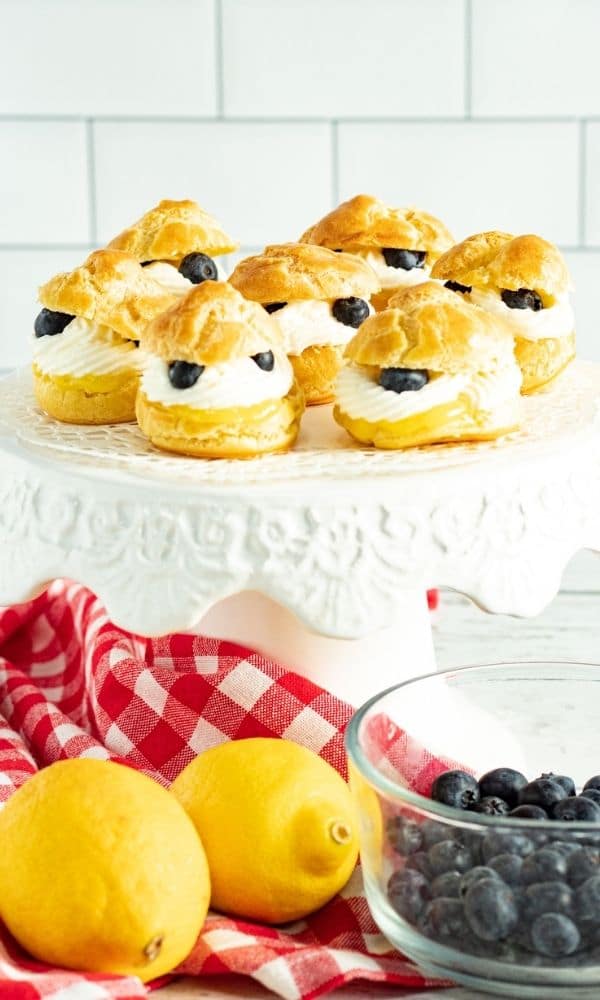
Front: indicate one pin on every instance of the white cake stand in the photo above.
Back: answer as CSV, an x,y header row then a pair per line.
x,y
296,554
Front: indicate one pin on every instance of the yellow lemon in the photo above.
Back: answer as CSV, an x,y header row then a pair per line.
x,y
101,870
277,824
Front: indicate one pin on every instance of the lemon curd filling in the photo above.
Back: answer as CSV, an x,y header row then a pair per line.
x,y
448,407
89,384
192,421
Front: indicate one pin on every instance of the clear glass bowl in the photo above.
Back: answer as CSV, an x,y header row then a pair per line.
x,y
535,717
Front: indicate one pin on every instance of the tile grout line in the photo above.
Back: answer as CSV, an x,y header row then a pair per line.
x,y
376,120
582,200
219,60
335,163
91,177
468,62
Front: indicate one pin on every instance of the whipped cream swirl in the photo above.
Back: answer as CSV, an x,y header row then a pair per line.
x,y
359,395
235,383
311,323
556,321
393,277
85,348
169,277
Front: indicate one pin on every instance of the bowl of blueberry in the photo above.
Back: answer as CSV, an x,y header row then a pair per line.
x,y
488,876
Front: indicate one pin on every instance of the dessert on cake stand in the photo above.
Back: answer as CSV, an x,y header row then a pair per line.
x,y
319,558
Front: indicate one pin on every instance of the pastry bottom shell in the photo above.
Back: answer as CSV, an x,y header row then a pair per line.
x,y
316,371
542,360
237,432
90,399
456,421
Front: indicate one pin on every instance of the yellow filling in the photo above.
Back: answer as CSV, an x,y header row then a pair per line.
x,y
196,421
447,422
90,384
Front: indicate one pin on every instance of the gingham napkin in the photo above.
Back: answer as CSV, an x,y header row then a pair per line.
x,y
74,685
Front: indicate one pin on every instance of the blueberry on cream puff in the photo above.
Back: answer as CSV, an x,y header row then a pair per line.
x,y
400,244
318,300
176,241
86,364
523,279
216,380
429,368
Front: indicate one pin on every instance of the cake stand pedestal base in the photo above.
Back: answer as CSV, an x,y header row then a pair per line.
x,y
355,669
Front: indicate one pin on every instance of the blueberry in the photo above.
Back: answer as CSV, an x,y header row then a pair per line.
x,y
555,935
567,783
419,862
544,865
447,885
508,867
582,865
264,360
547,897
48,323
472,840
505,842
198,267
503,782
404,835
455,286
475,875
543,792
273,307
448,856
592,793
183,374
522,298
565,847
433,832
453,788
407,260
575,809
408,892
490,909
408,380
592,783
529,812
587,901
351,311
491,805
445,918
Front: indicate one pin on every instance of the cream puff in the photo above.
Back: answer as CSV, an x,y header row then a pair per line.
x,y
428,369
216,381
176,241
86,365
523,279
400,244
318,298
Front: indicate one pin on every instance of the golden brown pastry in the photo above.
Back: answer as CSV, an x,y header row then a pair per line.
x,y
318,299
85,360
216,381
400,244
176,241
525,280
428,369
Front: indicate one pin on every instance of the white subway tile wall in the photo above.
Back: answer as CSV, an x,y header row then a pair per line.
x,y
269,111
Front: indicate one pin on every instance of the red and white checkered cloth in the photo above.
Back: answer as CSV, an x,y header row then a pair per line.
x,y
73,685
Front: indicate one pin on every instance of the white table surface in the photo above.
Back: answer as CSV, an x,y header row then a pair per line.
x,y
568,629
